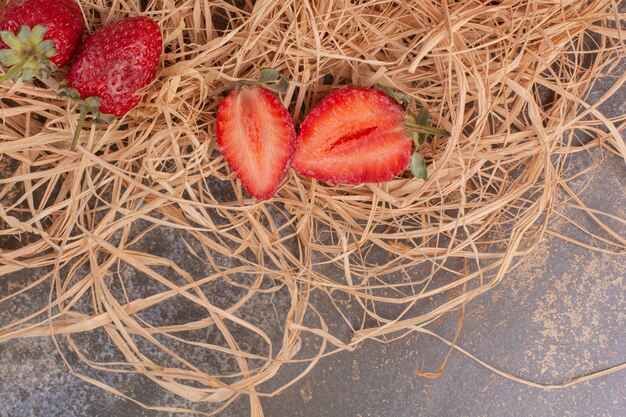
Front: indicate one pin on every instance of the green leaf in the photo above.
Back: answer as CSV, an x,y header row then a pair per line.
x,y
280,88
8,57
37,34
27,75
23,35
69,92
92,102
10,39
403,99
422,119
268,75
271,79
418,166
283,86
416,136
47,47
103,118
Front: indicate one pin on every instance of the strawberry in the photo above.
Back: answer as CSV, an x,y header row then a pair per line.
x,y
111,65
360,135
257,137
116,61
354,135
38,36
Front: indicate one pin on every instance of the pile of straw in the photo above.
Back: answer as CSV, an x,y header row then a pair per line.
x,y
507,78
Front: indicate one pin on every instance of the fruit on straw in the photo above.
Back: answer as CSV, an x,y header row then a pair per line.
x,y
360,135
256,134
110,67
38,36
115,62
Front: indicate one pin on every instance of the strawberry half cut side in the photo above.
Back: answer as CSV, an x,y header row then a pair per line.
x,y
257,137
355,135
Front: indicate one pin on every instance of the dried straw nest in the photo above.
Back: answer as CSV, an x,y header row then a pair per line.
x,y
507,78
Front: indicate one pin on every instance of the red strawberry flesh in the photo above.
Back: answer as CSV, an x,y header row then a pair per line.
x,y
115,62
355,135
257,137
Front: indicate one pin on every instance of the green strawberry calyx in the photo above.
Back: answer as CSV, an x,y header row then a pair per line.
x,y
269,78
418,127
28,54
89,105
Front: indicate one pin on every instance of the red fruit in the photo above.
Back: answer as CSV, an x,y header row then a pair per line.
x,y
355,135
64,26
115,62
257,138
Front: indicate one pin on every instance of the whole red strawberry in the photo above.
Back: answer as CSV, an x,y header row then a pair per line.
x,y
115,62
38,36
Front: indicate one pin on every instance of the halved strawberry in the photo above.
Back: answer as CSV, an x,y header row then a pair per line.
x,y
355,135
257,137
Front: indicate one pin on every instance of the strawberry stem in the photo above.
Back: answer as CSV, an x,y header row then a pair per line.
x,y
418,127
79,127
90,105
426,129
226,88
10,73
269,78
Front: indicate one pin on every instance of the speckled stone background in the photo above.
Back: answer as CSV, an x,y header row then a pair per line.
x,y
560,314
